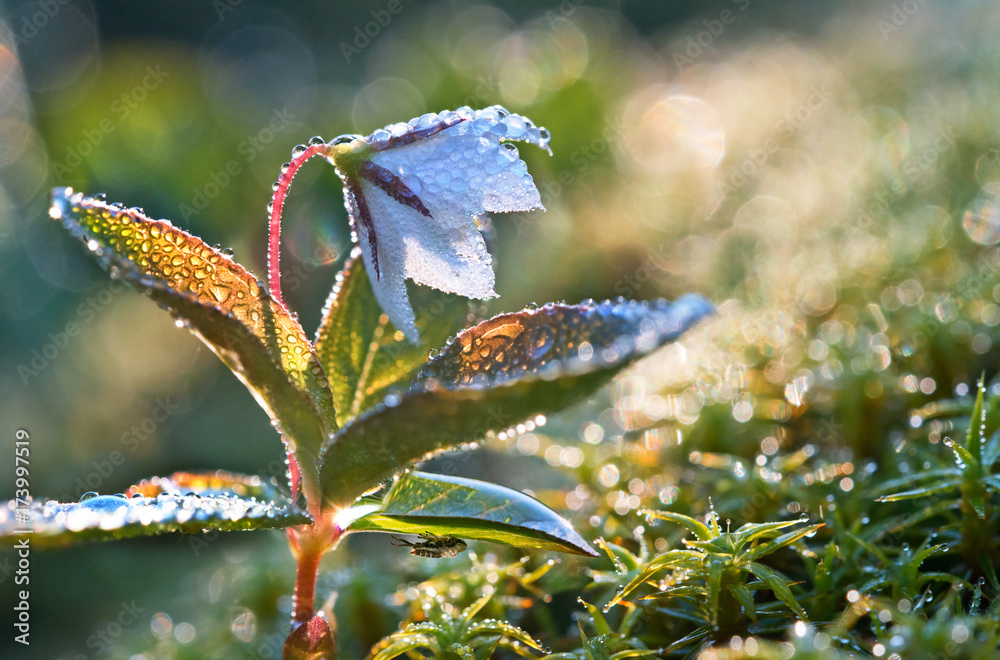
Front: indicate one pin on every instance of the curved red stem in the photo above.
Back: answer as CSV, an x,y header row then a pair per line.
x,y
277,201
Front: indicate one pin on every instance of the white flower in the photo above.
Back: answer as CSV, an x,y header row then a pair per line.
x,y
413,192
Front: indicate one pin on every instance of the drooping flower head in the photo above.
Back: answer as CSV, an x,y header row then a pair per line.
x,y
414,191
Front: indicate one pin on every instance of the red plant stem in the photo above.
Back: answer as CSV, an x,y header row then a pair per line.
x,y
308,544
305,585
277,201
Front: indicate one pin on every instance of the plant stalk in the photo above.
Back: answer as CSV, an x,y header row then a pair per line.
x,y
305,586
308,544
274,208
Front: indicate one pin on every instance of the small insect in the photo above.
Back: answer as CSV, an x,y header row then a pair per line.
x,y
433,547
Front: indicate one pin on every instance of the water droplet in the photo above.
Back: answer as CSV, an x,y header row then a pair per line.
x,y
541,341
316,141
284,167
298,150
88,495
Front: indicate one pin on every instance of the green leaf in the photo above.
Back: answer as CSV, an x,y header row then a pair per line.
x,y
693,525
495,375
214,483
976,498
911,568
502,628
876,552
421,503
779,586
364,355
967,460
991,416
624,561
671,559
910,480
401,643
220,302
694,636
111,517
974,439
597,618
745,599
753,531
776,544
941,487
716,567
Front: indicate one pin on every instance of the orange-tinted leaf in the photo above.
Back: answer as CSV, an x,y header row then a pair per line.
x,y
218,300
217,482
496,375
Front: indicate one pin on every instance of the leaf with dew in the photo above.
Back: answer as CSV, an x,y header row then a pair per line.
x,y
422,503
213,483
498,374
112,517
221,303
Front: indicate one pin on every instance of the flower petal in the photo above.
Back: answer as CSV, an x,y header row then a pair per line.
x,y
445,252
464,170
415,189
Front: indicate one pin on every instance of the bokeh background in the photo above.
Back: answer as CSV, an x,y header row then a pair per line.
x,y
828,173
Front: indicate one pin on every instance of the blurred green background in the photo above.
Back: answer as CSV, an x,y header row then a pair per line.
x,y
828,173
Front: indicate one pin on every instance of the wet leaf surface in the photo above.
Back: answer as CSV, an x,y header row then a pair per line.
x,y
496,375
111,517
422,503
219,301
214,483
